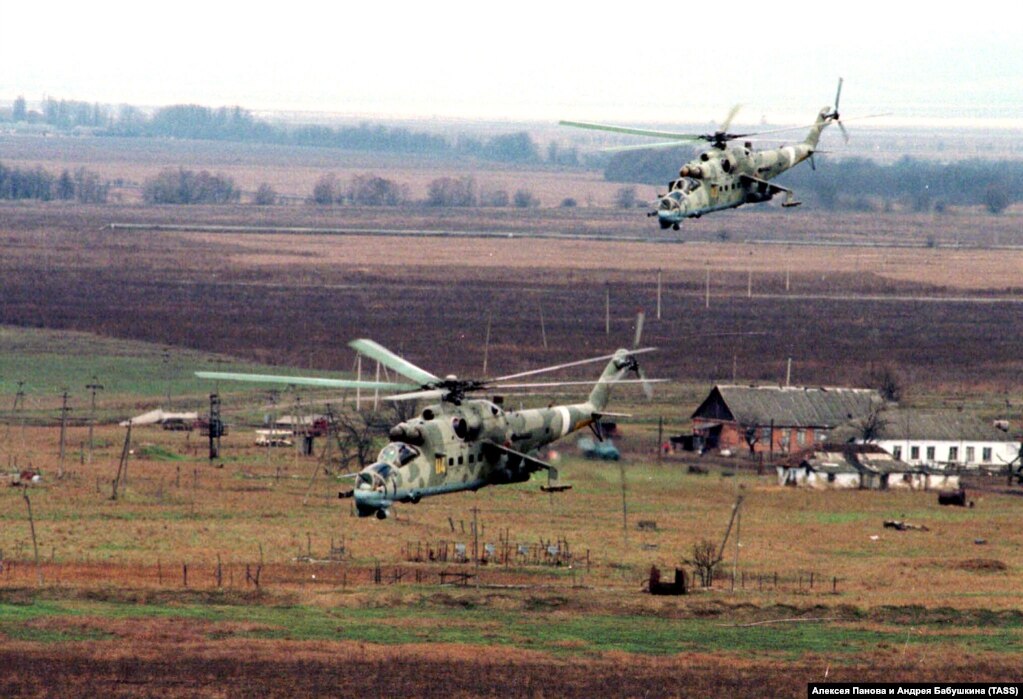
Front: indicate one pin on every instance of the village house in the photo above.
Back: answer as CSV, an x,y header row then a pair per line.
x,y
865,466
942,439
776,420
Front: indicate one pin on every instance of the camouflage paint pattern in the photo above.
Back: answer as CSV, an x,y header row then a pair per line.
x,y
728,177
476,443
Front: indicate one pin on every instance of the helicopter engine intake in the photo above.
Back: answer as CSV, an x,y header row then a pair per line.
x,y
404,432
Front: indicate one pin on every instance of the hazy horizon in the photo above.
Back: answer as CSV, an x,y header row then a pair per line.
x,y
651,64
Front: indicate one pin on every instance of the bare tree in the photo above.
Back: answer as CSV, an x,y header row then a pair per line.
x,y
872,425
751,435
888,383
704,559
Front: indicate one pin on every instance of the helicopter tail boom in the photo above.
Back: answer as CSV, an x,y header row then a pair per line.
x,y
621,363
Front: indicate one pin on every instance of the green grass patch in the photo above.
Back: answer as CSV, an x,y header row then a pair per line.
x,y
550,631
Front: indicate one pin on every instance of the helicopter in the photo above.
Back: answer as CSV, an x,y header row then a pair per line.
x,y
726,177
458,443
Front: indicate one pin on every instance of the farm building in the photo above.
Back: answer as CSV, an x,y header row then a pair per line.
x,y
776,419
859,466
942,438
170,421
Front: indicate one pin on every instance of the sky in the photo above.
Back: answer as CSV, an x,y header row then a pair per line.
x,y
641,62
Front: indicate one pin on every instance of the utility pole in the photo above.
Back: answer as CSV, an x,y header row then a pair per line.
x,y
658,294
122,466
63,432
167,374
358,377
93,387
216,426
376,391
660,436
543,328
607,309
625,507
486,342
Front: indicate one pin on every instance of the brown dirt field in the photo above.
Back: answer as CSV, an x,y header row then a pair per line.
x,y
947,324
946,319
289,670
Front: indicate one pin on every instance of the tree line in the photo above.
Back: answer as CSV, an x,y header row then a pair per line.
x,y
859,183
372,190
191,121
80,185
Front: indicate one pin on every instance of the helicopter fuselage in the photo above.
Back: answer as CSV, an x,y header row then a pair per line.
x,y
451,448
728,177
469,444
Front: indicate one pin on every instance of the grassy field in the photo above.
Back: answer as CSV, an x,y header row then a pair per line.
x,y
156,592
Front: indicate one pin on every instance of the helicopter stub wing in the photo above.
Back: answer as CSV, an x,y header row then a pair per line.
x,y
762,188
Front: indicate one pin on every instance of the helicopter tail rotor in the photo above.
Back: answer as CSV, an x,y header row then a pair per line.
x,y
834,115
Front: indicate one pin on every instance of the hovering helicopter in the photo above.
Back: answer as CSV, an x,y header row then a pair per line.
x,y
458,443
726,177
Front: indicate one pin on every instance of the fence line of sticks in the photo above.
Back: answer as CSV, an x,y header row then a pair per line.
x,y
253,575
556,552
800,581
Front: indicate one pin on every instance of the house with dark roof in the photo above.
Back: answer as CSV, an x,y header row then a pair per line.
x,y
777,420
940,439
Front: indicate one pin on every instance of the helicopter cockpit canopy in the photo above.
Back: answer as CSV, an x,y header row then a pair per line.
x,y
375,477
685,185
397,454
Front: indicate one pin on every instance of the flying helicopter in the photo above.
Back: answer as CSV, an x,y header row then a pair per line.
x,y
726,177
460,443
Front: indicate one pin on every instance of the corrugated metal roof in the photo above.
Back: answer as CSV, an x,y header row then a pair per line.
x,y
797,406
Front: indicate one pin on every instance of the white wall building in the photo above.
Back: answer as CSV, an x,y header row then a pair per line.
x,y
943,439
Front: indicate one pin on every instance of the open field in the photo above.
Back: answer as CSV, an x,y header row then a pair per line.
x,y
154,593
880,604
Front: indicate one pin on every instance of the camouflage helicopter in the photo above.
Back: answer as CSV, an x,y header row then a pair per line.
x,y
458,443
725,177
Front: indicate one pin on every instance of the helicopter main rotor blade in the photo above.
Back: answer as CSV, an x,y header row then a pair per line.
x,y
376,351
728,119
303,381
580,362
632,131
640,317
643,146
554,384
430,394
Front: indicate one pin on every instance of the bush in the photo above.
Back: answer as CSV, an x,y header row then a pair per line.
x,y
187,187
524,199
452,191
370,190
326,191
265,195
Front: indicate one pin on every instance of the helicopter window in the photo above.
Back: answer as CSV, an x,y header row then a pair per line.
x,y
451,461
459,460
704,157
384,470
397,453
406,453
472,458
